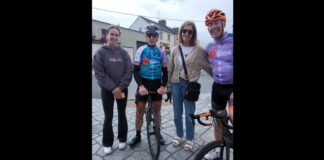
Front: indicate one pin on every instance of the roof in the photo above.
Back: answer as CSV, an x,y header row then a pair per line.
x,y
162,27
118,25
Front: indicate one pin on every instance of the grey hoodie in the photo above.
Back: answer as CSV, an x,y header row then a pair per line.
x,y
113,68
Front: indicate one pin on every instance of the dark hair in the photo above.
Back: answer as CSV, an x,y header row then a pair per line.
x,y
193,40
113,26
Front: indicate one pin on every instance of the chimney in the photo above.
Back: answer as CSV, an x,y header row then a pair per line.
x,y
175,29
162,22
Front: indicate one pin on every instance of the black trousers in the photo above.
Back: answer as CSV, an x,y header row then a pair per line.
x,y
108,105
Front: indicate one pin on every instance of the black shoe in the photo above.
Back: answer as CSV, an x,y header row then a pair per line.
x,y
162,141
134,141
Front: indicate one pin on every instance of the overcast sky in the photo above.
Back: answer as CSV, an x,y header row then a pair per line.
x,y
194,10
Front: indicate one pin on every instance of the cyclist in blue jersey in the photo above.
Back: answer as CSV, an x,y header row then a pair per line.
x,y
220,53
150,73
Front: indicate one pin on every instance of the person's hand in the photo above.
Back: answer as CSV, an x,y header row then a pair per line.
x,y
120,95
117,93
142,90
161,90
117,90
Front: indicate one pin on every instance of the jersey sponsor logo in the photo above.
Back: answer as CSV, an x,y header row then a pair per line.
x,y
224,53
153,61
145,61
212,54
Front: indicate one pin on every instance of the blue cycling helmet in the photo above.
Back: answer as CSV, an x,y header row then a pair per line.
x,y
152,28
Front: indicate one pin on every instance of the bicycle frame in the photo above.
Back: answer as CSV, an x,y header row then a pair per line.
x,y
152,117
227,135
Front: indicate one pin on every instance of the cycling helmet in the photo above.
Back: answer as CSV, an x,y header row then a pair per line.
x,y
213,15
152,28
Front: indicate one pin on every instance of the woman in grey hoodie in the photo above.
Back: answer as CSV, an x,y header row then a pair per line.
x,y
113,70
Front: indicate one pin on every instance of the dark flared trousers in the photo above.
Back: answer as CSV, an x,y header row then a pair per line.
x,y
108,105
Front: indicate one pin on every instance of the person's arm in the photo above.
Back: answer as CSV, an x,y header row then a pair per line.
x,y
141,88
164,63
164,76
137,75
205,63
162,89
171,65
137,64
102,77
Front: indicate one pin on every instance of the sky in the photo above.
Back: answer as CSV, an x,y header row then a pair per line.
x,y
194,10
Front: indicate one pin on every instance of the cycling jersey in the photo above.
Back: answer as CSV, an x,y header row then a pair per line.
x,y
151,59
220,53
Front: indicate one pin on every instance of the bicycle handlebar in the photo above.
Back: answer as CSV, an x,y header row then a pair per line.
x,y
212,113
198,116
152,92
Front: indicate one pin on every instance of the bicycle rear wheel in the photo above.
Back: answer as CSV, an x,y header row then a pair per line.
x,y
210,150
153,134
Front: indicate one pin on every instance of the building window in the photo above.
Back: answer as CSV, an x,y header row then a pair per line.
x,y
169,37
103,32
161,35
140,29
161,44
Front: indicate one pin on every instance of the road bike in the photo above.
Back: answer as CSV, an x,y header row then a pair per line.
x,y
224,146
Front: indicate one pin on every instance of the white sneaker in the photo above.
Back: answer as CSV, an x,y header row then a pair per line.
x,y
122,145
107,150
214,154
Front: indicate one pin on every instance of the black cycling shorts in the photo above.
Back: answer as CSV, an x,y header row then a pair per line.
x,y
150,85
220,95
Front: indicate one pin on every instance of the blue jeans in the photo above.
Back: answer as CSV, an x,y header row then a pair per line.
x,y
178,90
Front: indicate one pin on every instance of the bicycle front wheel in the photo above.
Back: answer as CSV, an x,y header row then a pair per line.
x,y
214,151
153,134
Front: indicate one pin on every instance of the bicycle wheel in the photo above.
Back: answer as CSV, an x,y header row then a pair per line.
x,y
153,134
208,152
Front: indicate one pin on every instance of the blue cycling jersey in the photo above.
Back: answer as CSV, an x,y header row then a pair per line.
x,y
151,59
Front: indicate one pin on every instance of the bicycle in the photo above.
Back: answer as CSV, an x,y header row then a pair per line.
x,y
225,145
153,131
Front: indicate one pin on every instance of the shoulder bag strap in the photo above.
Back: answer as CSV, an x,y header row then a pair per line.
x,y
183,62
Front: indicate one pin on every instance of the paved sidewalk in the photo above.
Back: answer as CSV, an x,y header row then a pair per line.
x,y
203,134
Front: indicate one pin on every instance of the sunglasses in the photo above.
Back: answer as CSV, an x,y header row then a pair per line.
x,y
184,31
217,22
151,35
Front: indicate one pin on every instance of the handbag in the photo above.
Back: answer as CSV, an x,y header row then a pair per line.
x,y
193,88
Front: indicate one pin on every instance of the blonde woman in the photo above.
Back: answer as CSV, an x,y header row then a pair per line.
x,y
195,60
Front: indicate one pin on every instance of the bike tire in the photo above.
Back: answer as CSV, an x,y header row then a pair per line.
x,y
209,147
153,134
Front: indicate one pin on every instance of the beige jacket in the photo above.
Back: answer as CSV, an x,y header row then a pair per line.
x,y
195,62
